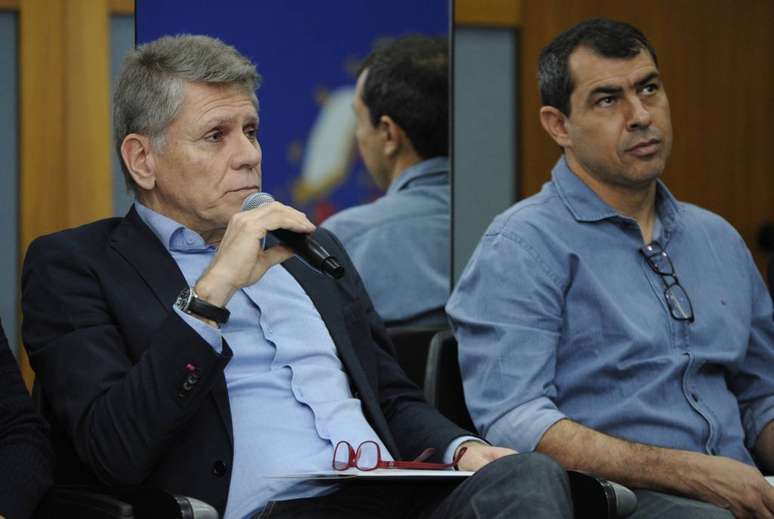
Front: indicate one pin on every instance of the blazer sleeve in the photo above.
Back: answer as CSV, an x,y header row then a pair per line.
x,y
120,408
26,458
415,424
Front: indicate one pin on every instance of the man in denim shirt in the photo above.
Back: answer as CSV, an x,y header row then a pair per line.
x,y
605,323
400,242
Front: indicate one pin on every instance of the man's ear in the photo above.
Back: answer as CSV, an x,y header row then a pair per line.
x,y
555,123
394,139
137,155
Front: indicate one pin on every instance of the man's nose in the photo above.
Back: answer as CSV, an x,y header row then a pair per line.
x,y
639,116
248,153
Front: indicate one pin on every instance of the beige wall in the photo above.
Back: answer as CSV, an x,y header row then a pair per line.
x,y
716,62
715,58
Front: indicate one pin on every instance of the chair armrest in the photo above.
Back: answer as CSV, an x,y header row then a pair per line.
x,y
87,502
151,503
597,497
82,502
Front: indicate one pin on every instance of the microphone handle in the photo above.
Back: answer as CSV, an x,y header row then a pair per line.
x,y
311,251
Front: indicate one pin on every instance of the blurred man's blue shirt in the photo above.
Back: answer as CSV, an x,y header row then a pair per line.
x,y
400,245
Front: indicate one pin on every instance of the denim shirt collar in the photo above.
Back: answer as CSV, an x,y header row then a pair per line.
x,y
425,168
173,235
585,206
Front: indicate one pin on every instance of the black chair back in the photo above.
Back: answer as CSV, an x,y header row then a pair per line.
x,y
411,346
443,382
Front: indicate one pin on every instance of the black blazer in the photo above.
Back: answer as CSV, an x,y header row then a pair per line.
x,y
113,359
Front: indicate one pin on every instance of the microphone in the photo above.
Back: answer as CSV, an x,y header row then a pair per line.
x,y
303,245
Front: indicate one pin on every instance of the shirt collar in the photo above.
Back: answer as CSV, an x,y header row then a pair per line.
x,y
420,169
173,235
668,211
585,206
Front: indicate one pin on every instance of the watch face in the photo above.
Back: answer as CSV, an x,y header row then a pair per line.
x,y
183,299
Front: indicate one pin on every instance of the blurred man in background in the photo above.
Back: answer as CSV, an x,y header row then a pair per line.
x,y
400,242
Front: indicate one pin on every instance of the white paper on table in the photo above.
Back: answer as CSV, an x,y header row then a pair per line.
x,y
770,479
375,474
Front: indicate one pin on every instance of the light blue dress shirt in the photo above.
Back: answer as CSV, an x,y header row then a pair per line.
x,y
400,245
289,395
558,315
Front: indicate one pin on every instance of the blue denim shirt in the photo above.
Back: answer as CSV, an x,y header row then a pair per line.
x,y
400,245
559,316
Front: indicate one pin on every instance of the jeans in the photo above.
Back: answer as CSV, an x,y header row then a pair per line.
x,y
666,506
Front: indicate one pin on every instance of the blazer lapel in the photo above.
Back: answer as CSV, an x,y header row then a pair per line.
x,y
139,246
322,291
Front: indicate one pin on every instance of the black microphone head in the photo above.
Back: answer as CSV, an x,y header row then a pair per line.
x,y
256,200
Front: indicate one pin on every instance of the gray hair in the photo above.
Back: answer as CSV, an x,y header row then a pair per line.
x,y
150,87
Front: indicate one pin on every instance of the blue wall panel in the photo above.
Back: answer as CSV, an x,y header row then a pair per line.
x,y
9,175
485,134
121,42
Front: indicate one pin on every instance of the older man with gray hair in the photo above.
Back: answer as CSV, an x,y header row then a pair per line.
x,y
177,352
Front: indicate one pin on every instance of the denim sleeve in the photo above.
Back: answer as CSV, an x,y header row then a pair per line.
x,y
212,336
507,313
753,385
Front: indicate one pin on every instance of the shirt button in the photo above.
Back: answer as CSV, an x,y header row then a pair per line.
x,y
219,468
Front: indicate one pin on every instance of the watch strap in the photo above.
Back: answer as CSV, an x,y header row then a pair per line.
x,y
189,302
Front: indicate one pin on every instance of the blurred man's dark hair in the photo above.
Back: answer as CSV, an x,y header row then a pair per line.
x,y
408,80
